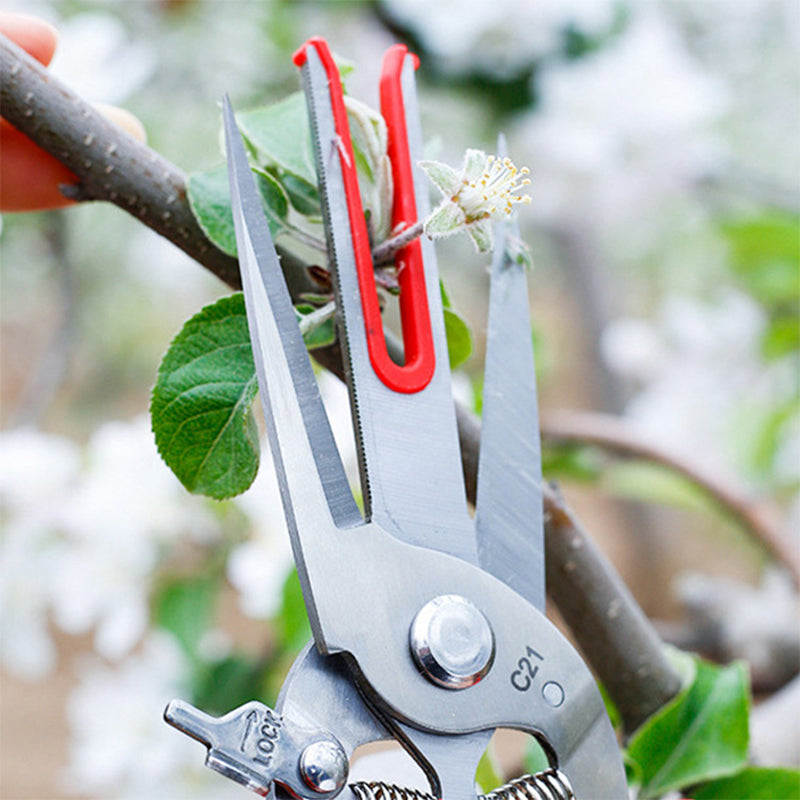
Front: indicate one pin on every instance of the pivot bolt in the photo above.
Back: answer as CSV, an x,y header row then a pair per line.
x,y
323,766
452,642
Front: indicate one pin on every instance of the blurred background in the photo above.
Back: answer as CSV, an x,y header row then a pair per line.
x,y
662,139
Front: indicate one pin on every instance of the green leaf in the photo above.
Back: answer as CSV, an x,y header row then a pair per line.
x,y
641,480
445,178
488,774
611,707
752,783
368,136
571,462
445,220
445,296
184,606
781,338
281,134
201,403
700,735
274,199
458,333
229,682
303,195
482,235
765,252
459,338
535,759
293,628
210,200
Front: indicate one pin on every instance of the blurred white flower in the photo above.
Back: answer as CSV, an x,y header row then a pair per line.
x,y
36,474
701,374
26,648
755,44
257,568
125,511
120,748
632,348
83,534
34,465
96,58
500,37
619,130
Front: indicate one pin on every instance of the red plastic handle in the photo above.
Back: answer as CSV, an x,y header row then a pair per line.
x,y
420,357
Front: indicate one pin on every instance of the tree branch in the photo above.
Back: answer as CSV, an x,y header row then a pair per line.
x,y
110,164
611,433
610,627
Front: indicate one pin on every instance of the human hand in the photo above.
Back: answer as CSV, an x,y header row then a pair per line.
x,y
30,177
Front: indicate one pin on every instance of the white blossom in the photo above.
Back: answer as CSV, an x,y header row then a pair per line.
x,y
96,57
120,748
484,190
83,534
702,379
619,131
501,37
36,474
125,510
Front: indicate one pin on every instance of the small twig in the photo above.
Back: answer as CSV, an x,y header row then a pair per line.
x,y
757,517
308,322
384,252
306,238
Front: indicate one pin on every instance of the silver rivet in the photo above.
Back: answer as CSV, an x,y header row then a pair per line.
x,y
452,642
324,767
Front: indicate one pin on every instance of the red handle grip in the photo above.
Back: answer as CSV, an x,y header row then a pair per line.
x,y
420,357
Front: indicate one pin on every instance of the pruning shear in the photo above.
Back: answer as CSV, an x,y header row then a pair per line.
x,y
428,624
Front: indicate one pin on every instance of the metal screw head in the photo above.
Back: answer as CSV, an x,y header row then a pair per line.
x,y
323,766
452,642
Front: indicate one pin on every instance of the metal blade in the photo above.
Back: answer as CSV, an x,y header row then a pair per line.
x,y
314,488
408,443
510,518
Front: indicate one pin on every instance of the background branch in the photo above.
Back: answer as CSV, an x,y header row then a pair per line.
x,y
613,632
757,517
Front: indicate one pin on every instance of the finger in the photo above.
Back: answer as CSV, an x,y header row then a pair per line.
x,y
30,178
123,119
35,36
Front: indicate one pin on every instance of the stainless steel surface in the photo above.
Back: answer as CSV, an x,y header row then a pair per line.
x,y
408,443
304,745
319,692
251,744
451,760
324,766
314,489
452,642
509,519
278,346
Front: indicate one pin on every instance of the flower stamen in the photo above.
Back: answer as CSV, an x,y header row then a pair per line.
x,y
487,188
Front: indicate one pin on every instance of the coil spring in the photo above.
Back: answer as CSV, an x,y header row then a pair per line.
x,y
548,785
